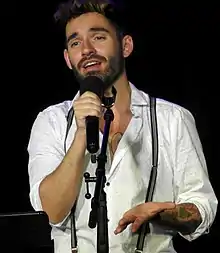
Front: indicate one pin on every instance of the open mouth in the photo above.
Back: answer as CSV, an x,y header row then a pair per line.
x,y
92,65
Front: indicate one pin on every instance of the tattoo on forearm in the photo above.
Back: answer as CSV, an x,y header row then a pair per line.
x,y
185,218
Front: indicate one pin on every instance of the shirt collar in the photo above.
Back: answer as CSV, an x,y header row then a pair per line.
x,y
138,98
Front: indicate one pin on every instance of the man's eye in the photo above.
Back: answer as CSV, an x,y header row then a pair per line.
x,y
99,37
74,43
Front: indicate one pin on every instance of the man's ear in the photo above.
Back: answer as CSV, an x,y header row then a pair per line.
x,y
128,46
67,59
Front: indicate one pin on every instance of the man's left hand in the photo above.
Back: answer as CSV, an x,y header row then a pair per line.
x,y
141,213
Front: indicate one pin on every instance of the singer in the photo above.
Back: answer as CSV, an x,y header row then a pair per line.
x,y
96,45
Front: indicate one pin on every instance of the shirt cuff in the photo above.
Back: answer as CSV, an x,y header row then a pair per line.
x,y
36,204
35,197
204,226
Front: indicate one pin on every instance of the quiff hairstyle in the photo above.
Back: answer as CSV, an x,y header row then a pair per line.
x,y
74,8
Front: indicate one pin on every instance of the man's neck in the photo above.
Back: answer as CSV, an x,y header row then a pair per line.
x,y
123,96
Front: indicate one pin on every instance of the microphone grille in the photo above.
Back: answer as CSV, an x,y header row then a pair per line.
x,y
93,84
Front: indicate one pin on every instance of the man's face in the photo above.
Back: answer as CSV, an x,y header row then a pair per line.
x,y
93,48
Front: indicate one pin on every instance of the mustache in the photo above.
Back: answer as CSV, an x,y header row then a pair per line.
x,y
93,57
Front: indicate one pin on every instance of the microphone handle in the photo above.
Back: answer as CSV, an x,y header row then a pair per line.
x,y
92,134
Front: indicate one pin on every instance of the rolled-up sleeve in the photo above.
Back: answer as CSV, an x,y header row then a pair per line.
x,y
45,153
192,182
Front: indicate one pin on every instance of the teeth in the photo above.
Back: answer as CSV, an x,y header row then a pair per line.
x,y
90,64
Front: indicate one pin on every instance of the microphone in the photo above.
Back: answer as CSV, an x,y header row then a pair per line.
x,y
95,85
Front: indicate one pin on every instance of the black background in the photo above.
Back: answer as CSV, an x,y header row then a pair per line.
x,y
176,57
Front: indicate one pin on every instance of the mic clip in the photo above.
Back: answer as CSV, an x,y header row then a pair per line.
x,y
93,158
108,102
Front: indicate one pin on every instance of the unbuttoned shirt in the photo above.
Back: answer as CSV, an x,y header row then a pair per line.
x,y
181,174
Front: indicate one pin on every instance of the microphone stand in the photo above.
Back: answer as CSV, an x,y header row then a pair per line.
x,y
98,214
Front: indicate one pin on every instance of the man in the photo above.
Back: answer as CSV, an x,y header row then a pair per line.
x,y
183,202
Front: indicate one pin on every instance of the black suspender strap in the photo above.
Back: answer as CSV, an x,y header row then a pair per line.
x,y
144,229
69,120
74,247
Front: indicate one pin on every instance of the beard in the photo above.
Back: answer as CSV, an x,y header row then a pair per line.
x,y
112,72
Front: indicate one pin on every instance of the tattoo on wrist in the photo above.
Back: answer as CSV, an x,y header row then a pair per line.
x,y
184,218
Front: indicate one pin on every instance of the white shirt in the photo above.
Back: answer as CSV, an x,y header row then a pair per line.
x,y
182,173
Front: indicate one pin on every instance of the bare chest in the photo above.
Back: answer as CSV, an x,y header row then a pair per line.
x,y
117,129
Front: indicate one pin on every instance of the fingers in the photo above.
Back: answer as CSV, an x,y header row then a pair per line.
x,y
141,213
124,222
88,104
88,111
90,95
88,98
137,223
120,228
127,219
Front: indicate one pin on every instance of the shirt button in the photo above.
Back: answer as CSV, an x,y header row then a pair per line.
x,y
107,183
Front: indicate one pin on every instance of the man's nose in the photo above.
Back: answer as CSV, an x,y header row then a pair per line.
x,y
88,48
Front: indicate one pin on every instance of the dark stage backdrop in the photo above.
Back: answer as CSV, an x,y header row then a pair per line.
x,y
176,57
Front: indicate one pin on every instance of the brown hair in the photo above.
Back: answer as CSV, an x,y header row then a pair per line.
x,y
74,8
